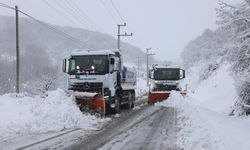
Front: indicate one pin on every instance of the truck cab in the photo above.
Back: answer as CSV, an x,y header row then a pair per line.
x,y
163,81
101,71
166,78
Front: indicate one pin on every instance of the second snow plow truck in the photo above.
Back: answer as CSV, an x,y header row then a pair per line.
x,y
98,80
163,81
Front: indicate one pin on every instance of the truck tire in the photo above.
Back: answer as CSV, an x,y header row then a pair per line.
x,y
116,110
133,100
129,104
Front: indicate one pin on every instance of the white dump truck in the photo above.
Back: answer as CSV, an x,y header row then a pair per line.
x,y
163,80
99,80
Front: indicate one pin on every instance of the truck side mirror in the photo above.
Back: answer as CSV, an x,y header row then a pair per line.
x,y
112,61
64,66
182,74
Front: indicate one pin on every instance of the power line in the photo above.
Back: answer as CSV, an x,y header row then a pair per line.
x,y
82,13
69,11
79,42
6,6
122,18
74,10
109,12
52,7
54,29
117,10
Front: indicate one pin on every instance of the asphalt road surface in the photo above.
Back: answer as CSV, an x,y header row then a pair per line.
x,y
148,128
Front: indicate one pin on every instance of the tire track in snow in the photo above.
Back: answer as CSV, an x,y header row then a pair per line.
x,y
116,128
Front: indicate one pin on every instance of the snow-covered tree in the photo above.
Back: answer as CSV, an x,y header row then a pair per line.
x,y
236,19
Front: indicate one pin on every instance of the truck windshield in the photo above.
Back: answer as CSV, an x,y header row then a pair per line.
x,y
92,64
166,74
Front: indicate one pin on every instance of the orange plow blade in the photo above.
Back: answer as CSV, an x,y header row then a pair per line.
x,y
157,96
91,102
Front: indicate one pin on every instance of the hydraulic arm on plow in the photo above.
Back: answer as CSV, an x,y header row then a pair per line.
x,y
163,81
98,80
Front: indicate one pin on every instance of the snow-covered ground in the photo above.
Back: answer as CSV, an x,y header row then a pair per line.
x,y
216,93
141,87
203,116
22,115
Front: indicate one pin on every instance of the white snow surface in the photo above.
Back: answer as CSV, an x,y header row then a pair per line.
x,y
203,115
141,87
216,93
22,115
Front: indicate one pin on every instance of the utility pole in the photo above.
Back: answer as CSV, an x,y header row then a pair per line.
x,y
119,34
138,68
148,54
17,52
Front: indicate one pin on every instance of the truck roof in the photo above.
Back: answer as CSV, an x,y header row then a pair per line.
x,y
78,52
167,67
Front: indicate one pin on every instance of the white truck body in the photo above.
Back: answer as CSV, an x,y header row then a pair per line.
x,y
100,71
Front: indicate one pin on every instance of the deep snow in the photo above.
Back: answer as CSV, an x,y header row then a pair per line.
x,y
203,115
22,115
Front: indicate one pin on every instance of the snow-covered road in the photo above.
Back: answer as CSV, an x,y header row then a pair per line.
x,y
156,131
146,128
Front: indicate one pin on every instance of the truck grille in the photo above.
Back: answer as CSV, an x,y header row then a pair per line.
x,y
159,87
87,87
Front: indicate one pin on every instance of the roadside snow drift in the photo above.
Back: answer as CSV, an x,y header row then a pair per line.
x,y
203,128
23,115
216,91
203,116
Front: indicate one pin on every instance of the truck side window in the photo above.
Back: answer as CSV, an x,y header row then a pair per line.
x,y
72,64
112,65
116,67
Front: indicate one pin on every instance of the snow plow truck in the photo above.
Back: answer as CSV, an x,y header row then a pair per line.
x,y
163,81
99,81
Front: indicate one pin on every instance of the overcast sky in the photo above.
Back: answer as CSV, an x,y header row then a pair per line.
x,y
165,25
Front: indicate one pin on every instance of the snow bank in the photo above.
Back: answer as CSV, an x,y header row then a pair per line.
x,y
23,115
202,128
217,92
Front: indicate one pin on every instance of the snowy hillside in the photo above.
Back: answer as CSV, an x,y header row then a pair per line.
x,y
205,56
217,92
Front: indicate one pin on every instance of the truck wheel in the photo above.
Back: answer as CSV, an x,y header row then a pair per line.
x,y
117,106
129,105
133,100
